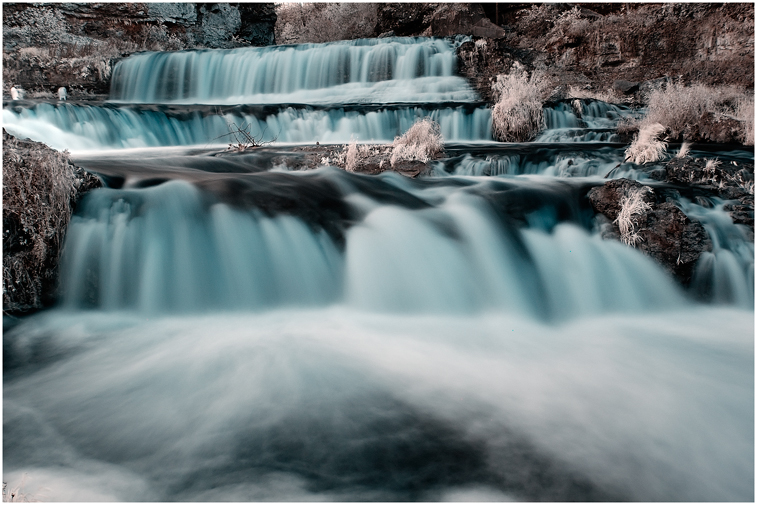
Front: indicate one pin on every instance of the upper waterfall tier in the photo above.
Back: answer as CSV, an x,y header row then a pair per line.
x,y
359,71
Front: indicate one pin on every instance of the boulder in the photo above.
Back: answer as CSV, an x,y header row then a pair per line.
x,y
626,87
468,19
667,235
404,19
674,240
40,191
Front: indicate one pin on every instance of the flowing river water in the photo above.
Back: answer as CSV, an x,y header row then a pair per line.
x,y
230,329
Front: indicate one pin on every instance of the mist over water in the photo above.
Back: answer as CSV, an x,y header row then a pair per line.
x,y
231,330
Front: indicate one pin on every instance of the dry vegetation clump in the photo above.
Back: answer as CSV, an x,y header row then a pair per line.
x,y
298,23
684,151
679,108
632,208
745,114
421,142
40,187
517,116
355,157
646,146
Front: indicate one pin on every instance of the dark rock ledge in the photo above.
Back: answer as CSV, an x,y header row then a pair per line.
x,y
666,234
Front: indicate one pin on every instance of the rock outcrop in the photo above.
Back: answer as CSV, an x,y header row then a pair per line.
x,y
631,48
76,45
665,233
369,160
40,191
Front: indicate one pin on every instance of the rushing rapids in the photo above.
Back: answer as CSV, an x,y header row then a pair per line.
x,y
231,329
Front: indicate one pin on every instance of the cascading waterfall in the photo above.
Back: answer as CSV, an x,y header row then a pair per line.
x,y
725,275
230,329
85,127
368,70
164,249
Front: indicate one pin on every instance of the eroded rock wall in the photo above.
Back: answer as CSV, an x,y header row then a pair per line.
x,y
620,47
76,44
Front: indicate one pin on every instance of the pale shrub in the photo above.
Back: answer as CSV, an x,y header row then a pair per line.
x,y
646,147
679,108
351,157
517,115
710,165
684,150
422,142
298,23
632,207
745,113
676,106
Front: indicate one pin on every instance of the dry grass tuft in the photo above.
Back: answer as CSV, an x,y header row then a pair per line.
x,y
684,151
422,142
632,207
745,113
517,115
710,165
646,147
352,156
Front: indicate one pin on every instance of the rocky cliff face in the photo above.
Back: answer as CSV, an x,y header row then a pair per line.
x,y
76,44
619,46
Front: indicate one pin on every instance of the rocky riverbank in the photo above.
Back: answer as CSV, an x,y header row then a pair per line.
x,y
41,188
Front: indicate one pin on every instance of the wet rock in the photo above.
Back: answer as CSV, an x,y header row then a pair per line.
x,y
606,199
713,127
727,180
742,212
626,87
674,240
666,234
404,19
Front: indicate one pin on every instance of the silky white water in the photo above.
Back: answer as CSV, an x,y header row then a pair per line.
x,y
228,329
368,70
337,404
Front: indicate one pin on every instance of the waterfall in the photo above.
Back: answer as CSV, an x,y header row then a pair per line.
x,y
85,127
165,249
368,70
726,274
259,325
